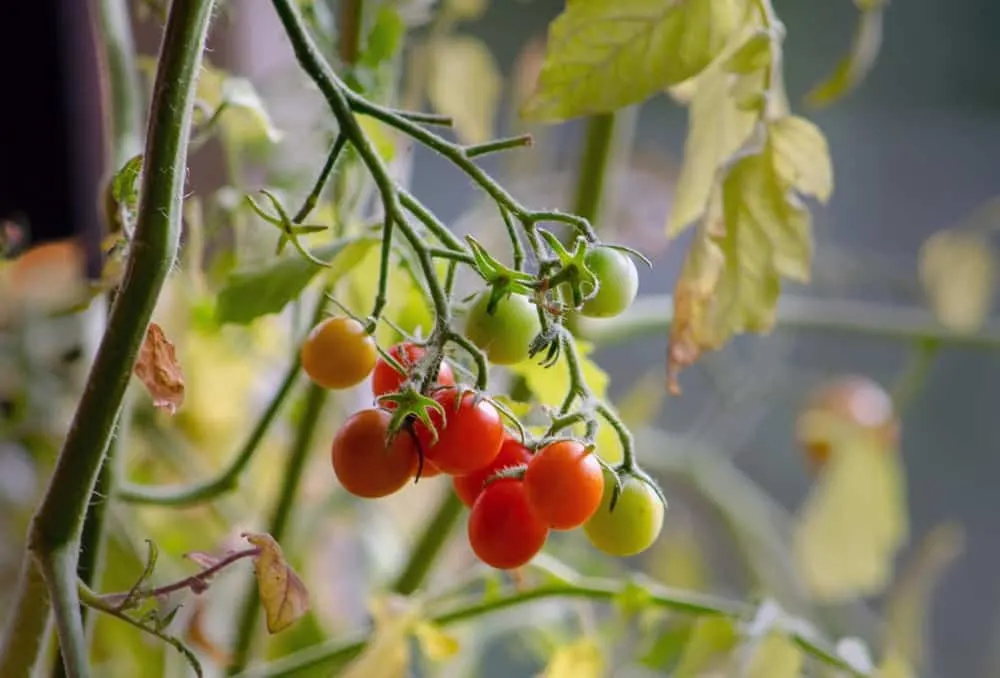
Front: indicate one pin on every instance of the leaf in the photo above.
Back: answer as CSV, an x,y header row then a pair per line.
x,y
251,294
640,405
853,522
465,83
894,666
802,157
246,115
711,641
603,56
958,270
858,63
775,656
580,659
282,593
158,370
124,184
387,654
434,642
377,134
718,129
384,38
907,608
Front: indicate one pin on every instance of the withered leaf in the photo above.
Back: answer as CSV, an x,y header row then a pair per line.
x,y
282,593
158,370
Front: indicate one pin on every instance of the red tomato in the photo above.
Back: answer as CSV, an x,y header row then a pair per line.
x,y
386,379
469,437
564,484
468,487
364,465
503,531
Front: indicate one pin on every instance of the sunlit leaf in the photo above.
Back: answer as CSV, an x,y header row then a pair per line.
x,y
282,593
380,137
246,115
710,643
958,270
859,61
853,522
606,55
384,38
894,665
159,371
802,157
774,656
387,653
434,642
582,658
407,307
465,83
640,405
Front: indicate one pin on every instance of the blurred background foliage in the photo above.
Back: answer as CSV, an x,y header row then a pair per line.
x,y
914,150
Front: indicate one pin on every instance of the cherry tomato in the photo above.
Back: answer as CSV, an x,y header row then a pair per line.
x,y
850,402
564,483
634,524
619,282
364,465
506,335
469,436
429,470
503,531
338,353
385,378
468,487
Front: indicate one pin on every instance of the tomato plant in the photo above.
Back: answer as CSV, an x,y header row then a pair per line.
x,y
618,282
512,453
364,464
503,531
338,353
387,379
632,525
564,483
469,433
506,333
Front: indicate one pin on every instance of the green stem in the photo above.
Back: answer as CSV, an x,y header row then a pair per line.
x,y
653,315
315,399
597,150
436,533
54,537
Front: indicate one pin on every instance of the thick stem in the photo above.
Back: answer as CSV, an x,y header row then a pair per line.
x,y
591,181
250,612
436,533
54,537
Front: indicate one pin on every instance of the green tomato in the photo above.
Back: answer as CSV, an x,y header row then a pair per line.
x,y
506,335
634,524
619,282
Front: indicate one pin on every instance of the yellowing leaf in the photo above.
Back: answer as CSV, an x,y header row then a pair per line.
x,y
606,55
894,666
465,83
775,656
159,371
802,157
711,641
387,654
854,521
958,270
282,593
581,659
434,642
718,129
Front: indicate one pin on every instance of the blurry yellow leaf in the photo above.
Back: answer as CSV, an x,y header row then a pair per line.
x,y
407,305
466,10
434,642
581,659
246,115
894,666
677,559
159,371
606,55
380,137
643,401
853,522
718,129
802,157
465,83
710,643
859,61
958,270
282,593
609,447
387,654
775,656
907,607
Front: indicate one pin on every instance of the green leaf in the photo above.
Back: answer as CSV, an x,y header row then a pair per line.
x,y
465,83
251,294
711,640
384,38
667,647
802,156
246,114
719,127
123,185
859,61
606,55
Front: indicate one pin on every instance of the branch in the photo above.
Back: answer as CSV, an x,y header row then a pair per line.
x,y
54,536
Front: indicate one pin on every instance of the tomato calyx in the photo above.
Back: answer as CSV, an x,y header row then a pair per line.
x,y
573,270
621,472
502,279
290,231
509,473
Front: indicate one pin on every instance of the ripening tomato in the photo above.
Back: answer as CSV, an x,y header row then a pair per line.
x,y
503,531
618,282
506,334
634,524
364,465
338,353
385,378
564,483
512,453
469,436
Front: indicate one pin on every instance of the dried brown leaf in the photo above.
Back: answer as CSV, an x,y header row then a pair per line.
x,y
158,370
282,593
